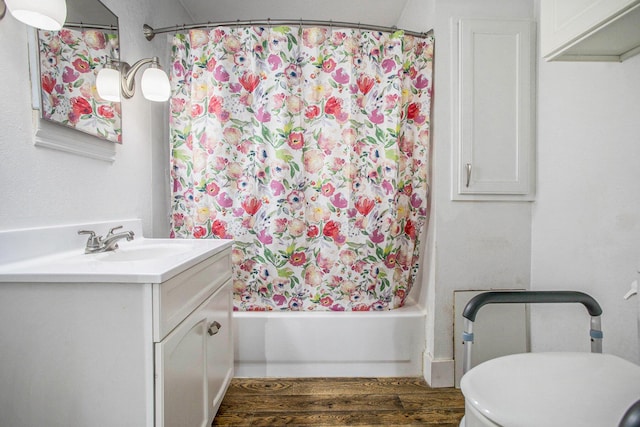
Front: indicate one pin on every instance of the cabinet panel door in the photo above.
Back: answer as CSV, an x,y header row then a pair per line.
x,y
494,108
181,375
219,345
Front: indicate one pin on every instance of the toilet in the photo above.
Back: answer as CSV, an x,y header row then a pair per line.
x,y
550,389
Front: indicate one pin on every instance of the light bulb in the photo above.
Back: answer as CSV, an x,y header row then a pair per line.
x,y
44,14
155,85
108,84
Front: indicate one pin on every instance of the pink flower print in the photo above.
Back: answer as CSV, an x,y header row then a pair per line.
x,y
196,110
390,261
274,61
312,231
327,189
94,39
375,117
263,116
279,299
297,259
410,229
264,238
333,106
178,69
293,72
47,83
328,65
177,105
281,225
276,187
313,161
351,212
340,76
295,304
238,212
339,201
326,301
388,65
416,201
69,75
224,200
365,84
336,307
219,229
249,81
296,140
211,64
220,74
295,199
387,187
235,87
212,189
365,205
199,232
376,236
251,205
81,65
312,112
324,263
421,82
215,105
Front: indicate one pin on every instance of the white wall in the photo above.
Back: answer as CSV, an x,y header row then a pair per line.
x,y
586,218
40,186
473,245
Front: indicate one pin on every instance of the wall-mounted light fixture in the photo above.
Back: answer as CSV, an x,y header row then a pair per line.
x,y
117,79
43,14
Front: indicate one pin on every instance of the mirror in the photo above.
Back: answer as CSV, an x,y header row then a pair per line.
x,y
69,61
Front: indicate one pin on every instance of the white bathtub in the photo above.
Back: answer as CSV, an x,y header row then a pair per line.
x,y
330,344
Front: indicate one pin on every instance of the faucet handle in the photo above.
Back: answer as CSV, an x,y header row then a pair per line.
x,y
93,242
110,233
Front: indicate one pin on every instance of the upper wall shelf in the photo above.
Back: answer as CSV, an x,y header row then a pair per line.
x,y
590,30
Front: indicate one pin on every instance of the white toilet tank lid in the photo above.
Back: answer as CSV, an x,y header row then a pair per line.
x,y
553,389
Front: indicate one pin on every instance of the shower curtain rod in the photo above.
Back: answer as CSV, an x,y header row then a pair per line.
x,y
88,26
150,32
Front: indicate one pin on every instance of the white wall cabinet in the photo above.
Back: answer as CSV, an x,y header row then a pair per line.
x,y
589,30
117,354
493,125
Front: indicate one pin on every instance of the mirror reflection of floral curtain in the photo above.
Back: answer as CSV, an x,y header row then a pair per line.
x,y
69,63
310,148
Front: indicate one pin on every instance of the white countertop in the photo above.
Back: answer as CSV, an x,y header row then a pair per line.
x,y
139,261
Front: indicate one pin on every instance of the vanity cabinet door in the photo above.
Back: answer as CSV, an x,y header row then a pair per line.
x,y
181,380
219,346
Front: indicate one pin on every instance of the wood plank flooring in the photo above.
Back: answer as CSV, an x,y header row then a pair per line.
x,y
339,402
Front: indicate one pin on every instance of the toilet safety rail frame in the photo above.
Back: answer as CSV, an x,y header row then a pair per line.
x,y
529,297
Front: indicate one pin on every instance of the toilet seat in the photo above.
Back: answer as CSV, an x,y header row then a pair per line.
x,y
550,389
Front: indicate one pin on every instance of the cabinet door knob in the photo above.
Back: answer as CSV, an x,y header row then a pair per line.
x,y
214,328
468,167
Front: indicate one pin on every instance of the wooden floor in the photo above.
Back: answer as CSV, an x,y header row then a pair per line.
x,y
339,402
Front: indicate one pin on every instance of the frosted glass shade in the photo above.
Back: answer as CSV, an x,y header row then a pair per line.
x,y
108,84
155,85
44,14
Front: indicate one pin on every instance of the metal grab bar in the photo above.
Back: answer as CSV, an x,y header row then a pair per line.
x,y
526,297
529,297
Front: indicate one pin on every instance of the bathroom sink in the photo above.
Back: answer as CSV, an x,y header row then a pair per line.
x,y
142,260
144,252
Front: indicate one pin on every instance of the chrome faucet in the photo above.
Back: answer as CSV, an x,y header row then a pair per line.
x,y
107,243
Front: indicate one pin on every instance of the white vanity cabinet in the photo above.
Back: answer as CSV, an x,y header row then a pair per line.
x,y
194,360
589,30
95,348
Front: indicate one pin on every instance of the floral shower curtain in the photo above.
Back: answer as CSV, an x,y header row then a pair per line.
x,y
310,148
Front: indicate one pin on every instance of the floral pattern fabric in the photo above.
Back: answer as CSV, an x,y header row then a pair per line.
x,y
69,63
310,148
